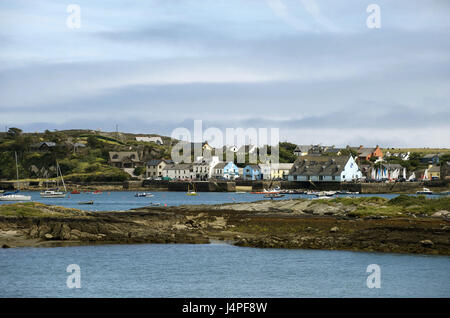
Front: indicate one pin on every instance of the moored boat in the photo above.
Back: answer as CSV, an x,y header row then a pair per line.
x,y
15,196
274,195
143,195
87,202
191,191
56,193
424,191
53,194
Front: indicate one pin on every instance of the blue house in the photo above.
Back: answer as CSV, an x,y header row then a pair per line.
x,y
252,172
226,170
430,159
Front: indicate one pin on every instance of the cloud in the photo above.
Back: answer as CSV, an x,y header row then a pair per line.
x,y
157,64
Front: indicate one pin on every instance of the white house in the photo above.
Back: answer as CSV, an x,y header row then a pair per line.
x,y
178,171
324,168
203,167
265,171
156,140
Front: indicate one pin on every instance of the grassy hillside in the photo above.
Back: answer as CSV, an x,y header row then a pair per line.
x,y
88,163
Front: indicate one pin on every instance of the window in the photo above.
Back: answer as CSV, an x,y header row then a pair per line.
x,y
320,178
333,178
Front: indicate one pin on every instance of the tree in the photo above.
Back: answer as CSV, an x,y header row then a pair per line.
x,y
14,132
138,171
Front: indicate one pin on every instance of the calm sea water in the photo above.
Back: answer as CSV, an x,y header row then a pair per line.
x,y
214,270
217,270
122,200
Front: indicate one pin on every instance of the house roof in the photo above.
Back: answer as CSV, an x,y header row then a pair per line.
x,y
364,152
253,167
46,143
178,166
220,165
155,162
435,169
281,166
319,166
302,148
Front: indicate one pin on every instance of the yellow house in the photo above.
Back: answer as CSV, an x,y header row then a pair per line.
x,y
434,172
280,170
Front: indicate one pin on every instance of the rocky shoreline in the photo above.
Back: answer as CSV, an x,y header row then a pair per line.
x,y
303,224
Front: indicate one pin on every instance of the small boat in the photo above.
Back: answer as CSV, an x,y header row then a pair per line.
x,y
143,195
14,196
75,192
425,191
154,204
53,194
56,193
274,195
191,191
87,202
273,191
97,192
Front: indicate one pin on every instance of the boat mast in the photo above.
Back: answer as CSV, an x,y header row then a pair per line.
x,y
60,173
17,171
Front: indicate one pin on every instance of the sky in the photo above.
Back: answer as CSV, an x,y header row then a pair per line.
x,y
311,68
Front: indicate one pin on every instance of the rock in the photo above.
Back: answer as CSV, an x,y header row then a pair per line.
x,y
75,234
427,243
334,229
442,213
65,232
48,236
5,246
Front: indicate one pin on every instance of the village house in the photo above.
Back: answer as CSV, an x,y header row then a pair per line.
x,y
203,167
43,146
402,155
280,171
181,171
265,171
302,150
156,140
432,159
434,172
124,159
324,168
226,152
225,170
332,151
154,168
367,153
316,150
252,172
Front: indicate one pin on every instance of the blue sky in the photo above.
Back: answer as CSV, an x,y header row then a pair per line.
x,y
311,68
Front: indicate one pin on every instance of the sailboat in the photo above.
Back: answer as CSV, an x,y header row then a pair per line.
x,y
14,196
191,191
56,193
